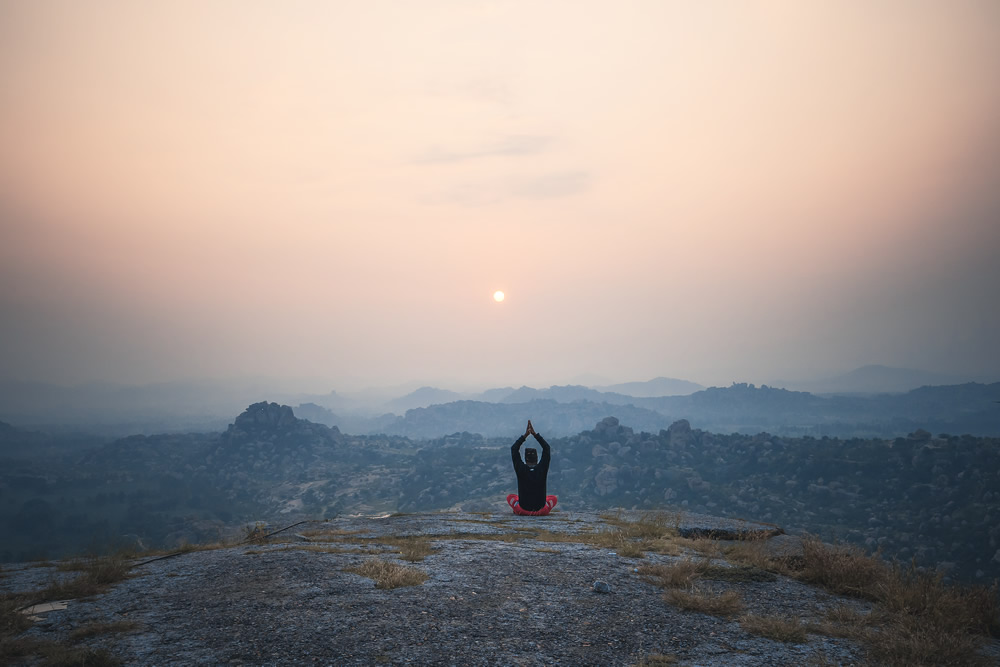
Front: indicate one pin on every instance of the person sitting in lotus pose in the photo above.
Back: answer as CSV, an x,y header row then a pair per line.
x,y
530,499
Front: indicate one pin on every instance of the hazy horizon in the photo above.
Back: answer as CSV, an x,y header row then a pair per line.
x,y
270,388
714,192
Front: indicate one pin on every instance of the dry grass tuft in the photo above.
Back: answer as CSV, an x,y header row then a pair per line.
x,y
916,641
843,569
12,621
779,628
754,552
706,547
705,601
95,629
910,592
923,621
653,531
842,614
649,525
918,620
388,575
96,576
843,621
668,546
329,533
679,574
629,549
412,548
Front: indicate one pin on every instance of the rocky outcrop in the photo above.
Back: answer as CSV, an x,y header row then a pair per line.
x,y
265,416
269,421
497,590
679,433
268,443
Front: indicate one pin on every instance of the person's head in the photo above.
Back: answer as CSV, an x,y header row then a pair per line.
x,y
531,456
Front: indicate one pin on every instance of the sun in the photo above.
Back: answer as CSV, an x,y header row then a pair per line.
x,y
498,296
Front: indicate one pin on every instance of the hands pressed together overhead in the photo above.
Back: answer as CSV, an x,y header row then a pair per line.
x,y
530,430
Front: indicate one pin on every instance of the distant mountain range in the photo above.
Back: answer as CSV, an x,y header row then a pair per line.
x,y
741,408
876,379
618,394
857,403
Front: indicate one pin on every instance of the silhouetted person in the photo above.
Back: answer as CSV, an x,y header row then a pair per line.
x,y
530,498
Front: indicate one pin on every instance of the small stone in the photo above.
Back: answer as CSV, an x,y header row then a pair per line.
x,y
602,586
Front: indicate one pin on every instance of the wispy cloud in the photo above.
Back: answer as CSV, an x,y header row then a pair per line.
x,y
548,186
511,145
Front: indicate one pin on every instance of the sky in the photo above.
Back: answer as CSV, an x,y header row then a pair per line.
x,y
333,190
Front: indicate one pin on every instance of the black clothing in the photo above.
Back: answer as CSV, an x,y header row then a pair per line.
x,y
530,479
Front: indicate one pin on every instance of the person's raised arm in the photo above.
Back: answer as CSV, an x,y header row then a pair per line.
x,y
515,449
545,448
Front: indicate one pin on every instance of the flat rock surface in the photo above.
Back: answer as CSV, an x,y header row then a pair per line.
x,y
488,600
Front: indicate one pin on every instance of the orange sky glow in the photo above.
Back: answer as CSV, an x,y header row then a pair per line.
x,y
715,191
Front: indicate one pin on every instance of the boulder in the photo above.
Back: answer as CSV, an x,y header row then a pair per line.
x,y
265,415
679,432
606,480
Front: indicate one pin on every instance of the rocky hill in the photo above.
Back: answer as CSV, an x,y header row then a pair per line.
x,y
494,589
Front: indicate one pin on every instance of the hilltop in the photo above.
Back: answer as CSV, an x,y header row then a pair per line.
x,y
495,589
